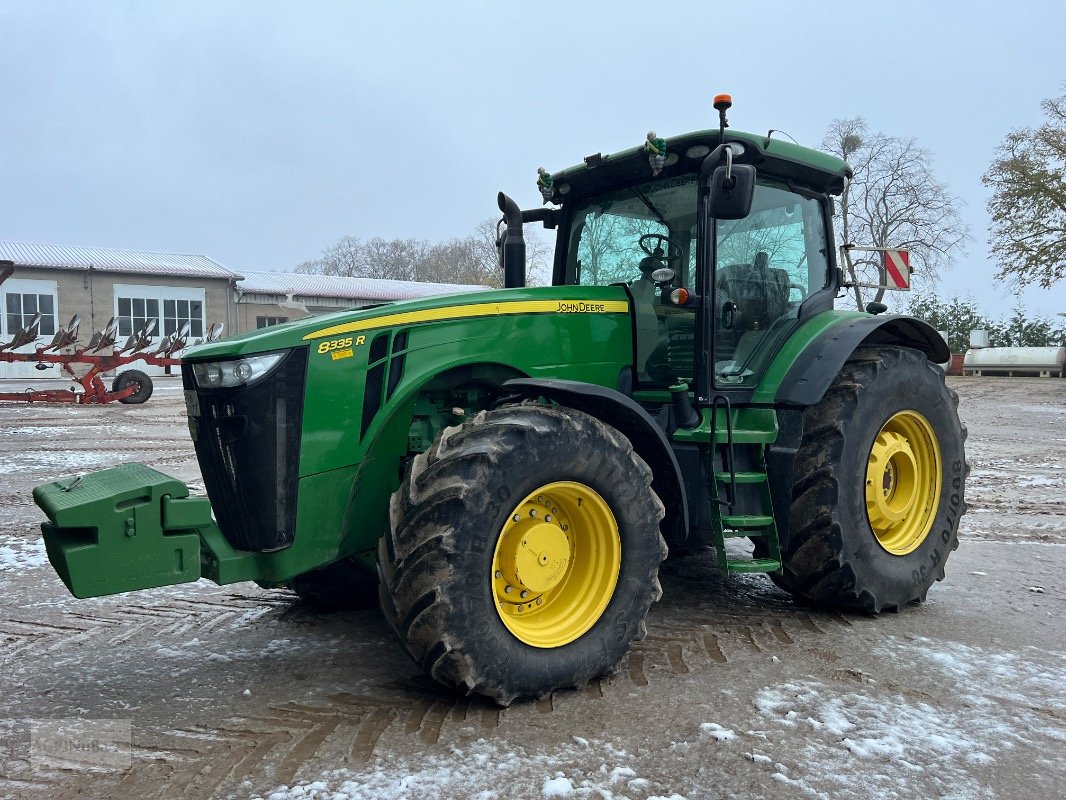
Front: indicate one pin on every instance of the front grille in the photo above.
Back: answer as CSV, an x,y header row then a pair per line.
x,y
247,440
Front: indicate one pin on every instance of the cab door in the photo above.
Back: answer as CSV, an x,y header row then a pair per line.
x,y
764,268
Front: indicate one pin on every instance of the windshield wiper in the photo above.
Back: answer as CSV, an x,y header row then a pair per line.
x,y
648,203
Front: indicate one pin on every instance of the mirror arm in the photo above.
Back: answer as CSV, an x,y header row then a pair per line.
x,y
549,216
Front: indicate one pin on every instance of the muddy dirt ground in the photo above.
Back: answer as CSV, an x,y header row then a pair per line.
x,y
737,691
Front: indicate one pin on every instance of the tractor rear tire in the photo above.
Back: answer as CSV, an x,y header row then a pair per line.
x,y
129,377
340,586
523,552
879,485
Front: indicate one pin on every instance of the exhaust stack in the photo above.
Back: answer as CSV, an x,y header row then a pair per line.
x,y
513,252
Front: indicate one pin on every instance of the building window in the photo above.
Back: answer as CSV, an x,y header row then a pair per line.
x,y
263,322
177,312
21,309
134,314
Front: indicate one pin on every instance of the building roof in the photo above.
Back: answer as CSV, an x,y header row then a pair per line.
x,y
140,262
298,284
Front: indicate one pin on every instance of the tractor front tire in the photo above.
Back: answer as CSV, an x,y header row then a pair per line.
x,y
523,552
879,484
131,377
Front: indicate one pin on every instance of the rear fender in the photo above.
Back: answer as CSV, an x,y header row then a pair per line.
x,y
818,364
625,415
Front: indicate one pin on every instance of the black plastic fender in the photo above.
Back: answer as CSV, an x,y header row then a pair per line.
x,y
626,415
807,380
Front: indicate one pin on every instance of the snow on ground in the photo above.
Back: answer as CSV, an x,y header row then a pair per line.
x,y
717,732
880,738
18,553
484,770
35,431
55,464
196,651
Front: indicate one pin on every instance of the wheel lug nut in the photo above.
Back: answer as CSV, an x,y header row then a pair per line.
x,y
548,518
533,512
507,589
516,518
540,498
524,595
498,574
540,600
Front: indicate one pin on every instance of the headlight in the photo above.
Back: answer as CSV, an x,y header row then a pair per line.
x,y
239,372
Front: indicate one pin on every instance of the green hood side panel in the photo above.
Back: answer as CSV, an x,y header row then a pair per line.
x,y
348,476
584,346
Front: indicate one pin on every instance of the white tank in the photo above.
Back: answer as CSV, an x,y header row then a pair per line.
x,y
1044,362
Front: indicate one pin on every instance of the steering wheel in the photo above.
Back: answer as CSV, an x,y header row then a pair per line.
x,y
672,249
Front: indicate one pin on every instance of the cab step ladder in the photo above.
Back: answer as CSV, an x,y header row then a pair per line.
x,y
730,525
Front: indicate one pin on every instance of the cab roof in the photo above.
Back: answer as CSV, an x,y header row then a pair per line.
x,y
810,168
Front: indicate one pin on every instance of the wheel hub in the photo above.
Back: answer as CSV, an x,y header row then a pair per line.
x,y
536,560
892,467
903,482
556,564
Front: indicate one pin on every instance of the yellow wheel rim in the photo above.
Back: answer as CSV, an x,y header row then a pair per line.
x,y
903,482
556,564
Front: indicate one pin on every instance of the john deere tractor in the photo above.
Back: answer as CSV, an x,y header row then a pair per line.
x,y
506,470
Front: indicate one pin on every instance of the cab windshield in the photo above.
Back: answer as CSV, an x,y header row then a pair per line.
x,y
624,237
606,235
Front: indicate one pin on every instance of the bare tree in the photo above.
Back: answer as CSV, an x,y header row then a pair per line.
x,y
601,250
1028,204
395,259
344,258
894,200
470,260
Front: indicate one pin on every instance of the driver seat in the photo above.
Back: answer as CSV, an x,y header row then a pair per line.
x,y
759,291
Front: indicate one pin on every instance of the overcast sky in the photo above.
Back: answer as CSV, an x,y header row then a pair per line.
x,y
260,133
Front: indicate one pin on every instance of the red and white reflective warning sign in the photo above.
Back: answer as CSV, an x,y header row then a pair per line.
x,y
897,264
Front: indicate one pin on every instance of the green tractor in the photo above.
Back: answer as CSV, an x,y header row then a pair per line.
x,y
506,470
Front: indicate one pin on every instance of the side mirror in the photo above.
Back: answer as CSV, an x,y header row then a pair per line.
x,y
731,196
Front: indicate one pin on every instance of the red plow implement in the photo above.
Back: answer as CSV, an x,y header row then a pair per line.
x,y
85,364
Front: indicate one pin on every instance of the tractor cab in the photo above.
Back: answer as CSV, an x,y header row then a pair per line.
x,y
745,281
714,288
